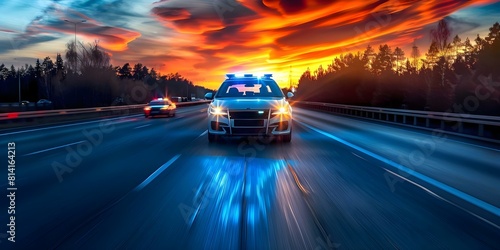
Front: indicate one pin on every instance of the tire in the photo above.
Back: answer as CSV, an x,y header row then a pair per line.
x,y
212,137
173,115
286,138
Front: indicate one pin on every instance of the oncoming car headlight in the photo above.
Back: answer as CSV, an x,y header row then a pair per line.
x,y
215,110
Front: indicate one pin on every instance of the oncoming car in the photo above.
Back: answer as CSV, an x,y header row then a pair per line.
x,y
249,106
160,106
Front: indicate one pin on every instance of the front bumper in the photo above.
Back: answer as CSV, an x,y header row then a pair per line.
x,y
154,112
249,123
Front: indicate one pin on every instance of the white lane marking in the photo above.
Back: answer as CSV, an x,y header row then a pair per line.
x,y
62,146
469,198
358,156
67,125
441,198
143,126
202,134
156,173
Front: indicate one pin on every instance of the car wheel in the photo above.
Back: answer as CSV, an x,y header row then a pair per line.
x,y
212,137
286,138
173,115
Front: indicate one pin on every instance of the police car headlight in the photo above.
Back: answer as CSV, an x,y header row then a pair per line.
x,y
283,110
215,110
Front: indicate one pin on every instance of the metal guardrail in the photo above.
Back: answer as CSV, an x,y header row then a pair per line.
x,y
474,126
16,119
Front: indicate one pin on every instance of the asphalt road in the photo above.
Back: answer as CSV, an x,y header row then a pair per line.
x,y
157,183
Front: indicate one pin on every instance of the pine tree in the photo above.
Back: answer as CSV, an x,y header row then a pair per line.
x,y
432,55
59,63
368,56
383,60
399,56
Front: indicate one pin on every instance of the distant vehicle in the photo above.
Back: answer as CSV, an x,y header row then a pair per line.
x,y
249,106
118,101
176,99
43,102
160,106
25,103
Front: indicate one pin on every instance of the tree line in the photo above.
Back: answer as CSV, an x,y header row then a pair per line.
x,y
87,79
453,76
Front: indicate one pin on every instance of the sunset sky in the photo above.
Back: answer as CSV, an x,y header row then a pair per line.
x,y
204,39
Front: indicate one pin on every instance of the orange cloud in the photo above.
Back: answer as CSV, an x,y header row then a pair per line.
x,y
274,34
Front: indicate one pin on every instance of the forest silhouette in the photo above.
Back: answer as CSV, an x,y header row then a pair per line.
x,y
87,79
453,76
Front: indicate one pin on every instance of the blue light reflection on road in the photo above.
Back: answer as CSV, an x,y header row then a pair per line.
x,y
224,186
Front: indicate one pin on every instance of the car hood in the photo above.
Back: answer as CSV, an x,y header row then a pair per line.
x,y
250,103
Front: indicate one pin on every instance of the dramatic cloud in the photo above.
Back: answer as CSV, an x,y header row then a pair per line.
x,y
204,39
275,34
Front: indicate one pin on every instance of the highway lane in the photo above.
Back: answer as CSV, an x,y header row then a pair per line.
x,y
157,183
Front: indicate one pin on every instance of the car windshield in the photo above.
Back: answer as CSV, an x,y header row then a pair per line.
x,y
156,102
249,88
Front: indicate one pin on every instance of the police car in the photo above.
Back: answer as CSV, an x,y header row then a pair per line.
x,y
249,105
160,106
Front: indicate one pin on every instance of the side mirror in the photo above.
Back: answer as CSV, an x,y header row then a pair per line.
x,y
209,96
289,95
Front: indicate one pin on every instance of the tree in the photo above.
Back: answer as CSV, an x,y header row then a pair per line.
x,y
125,71
488,57
479,44
468,53
38,69
145,71
71,56
494,34
383,60
320,72
440,37
432,55
59,63
13,73
368,56
47,66
138,73
399,55
94,57
456,45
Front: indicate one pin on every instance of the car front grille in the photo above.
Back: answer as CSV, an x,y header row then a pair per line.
x,y
249,114
249,123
